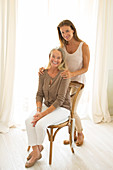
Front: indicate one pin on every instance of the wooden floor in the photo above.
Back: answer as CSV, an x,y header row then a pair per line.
x,y
95,154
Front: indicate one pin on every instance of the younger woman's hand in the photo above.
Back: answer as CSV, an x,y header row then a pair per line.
x,y
41,71
66,74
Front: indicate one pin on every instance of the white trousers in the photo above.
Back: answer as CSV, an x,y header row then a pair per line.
x,y
37,134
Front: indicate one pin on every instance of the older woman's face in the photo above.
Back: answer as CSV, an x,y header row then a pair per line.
x,y
55,58
66,32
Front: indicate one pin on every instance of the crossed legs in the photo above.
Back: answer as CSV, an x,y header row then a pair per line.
x,y
37,134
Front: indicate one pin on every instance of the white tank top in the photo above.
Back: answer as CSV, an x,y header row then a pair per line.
x,y
74,62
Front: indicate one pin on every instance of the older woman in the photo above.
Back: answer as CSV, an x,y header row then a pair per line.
x,y
55,92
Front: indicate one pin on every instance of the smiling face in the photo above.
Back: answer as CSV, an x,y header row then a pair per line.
x,y
55,58
66,32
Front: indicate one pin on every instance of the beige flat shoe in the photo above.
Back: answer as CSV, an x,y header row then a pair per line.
x,y
28,165
30,155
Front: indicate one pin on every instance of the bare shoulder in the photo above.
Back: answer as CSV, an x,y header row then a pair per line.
x,y
85,46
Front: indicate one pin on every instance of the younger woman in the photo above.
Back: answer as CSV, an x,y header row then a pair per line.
x,y
77,58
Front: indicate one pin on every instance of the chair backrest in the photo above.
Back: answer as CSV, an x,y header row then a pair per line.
x,y
75,88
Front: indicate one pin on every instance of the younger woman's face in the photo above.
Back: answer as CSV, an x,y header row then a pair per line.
x,y
55,58
66,32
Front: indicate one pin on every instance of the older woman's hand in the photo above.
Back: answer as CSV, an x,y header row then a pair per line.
x,y
36,117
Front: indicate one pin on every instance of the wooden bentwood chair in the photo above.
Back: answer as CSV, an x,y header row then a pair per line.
x,y
69,122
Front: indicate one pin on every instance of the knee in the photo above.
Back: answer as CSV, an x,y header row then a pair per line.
x,y
28,121
40,126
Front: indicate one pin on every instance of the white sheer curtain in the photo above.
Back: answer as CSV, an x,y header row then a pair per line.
x,y
99,98
7,61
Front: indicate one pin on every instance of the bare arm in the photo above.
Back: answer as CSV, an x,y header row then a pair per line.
x,y
40,115
86,59
39,99
39,106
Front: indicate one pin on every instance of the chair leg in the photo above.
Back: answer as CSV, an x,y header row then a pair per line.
x,y
28,148
51,145
70,138
71,144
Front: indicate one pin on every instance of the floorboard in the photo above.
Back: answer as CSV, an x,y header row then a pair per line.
x,y
95,154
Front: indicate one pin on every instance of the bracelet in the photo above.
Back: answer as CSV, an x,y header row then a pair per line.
x,y
39,107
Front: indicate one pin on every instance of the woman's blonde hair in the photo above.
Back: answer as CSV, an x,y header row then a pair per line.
x,y
62,66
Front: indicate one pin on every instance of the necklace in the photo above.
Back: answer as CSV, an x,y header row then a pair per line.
x,y
54,74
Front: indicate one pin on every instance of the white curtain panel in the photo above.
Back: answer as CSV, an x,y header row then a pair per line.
x,y
7,60
99,98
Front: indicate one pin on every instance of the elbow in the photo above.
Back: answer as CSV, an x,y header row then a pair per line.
x,y
61,101
58,103
85,69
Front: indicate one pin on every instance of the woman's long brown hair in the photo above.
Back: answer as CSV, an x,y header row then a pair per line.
x,y
67,23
